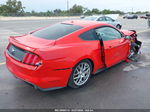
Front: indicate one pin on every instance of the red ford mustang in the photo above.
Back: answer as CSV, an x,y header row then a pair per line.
x,y
67,53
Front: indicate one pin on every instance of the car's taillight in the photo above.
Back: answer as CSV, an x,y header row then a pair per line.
x,y
31,59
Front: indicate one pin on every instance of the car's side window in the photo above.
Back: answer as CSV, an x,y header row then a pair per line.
x,y
89,35
101,19
108,19
108,33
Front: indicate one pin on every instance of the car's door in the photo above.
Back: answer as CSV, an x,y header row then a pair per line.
x,y
116,47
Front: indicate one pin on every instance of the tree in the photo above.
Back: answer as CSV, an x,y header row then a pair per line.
x,y
3,9
12,7
88,12
76,10
57,12
106,11
95,11
49,13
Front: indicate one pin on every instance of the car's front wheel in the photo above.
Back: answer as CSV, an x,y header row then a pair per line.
x,y
80,74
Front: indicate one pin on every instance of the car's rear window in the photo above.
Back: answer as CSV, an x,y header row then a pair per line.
x,y
56,31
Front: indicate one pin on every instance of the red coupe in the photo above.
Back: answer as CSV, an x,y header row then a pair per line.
x,y
67,53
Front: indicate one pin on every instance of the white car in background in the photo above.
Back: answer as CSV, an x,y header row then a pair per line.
x,y
110,19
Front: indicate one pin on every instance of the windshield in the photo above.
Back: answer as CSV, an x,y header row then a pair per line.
x,y
56,31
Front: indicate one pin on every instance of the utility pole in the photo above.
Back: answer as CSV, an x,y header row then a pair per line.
x,y
132,10
67,5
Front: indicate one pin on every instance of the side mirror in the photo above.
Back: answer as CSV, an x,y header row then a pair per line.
x,y
127,37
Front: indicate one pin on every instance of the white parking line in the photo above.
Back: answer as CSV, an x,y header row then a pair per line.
x,y
2,63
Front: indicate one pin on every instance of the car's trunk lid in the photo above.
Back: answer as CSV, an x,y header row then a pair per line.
x,y
30,42
34,42
20,45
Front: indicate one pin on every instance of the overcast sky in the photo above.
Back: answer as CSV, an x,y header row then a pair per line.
x,y
124,5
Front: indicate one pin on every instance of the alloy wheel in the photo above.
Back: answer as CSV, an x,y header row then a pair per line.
x,y
81,73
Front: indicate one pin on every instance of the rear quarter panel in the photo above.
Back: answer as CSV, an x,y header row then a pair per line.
x,y
68,55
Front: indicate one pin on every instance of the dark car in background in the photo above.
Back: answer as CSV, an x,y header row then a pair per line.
x,y
130,16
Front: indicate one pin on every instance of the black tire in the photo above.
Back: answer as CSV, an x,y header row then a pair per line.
x,y
118,26
72,82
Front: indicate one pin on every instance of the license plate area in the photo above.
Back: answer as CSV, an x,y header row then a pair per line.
x,y
15,52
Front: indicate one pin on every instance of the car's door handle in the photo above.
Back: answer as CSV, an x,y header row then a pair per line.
x,y
108,47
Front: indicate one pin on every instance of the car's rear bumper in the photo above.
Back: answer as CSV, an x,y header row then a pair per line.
x,y
42,89
39,77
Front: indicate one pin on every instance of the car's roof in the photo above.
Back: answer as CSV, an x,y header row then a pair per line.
x,y
84,23
96,16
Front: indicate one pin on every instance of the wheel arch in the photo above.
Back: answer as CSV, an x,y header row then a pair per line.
x,y
87,58
70,82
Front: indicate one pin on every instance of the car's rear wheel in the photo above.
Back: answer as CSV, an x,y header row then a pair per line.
x,y
118,26
80,74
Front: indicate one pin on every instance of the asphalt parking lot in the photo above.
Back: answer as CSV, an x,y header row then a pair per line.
x,y
124,86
